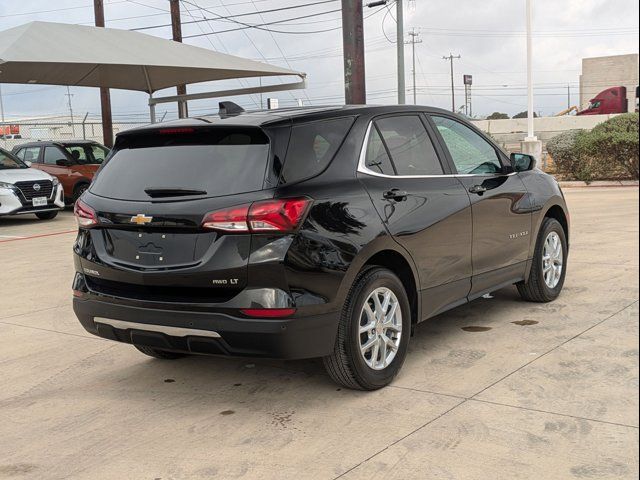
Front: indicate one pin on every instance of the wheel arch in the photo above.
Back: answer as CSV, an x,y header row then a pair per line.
x,y
384,252
558,213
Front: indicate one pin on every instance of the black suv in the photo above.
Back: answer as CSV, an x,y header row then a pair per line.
x,y
312,232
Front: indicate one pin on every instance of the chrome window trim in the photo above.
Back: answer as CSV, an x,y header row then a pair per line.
x,y
171,331
362,167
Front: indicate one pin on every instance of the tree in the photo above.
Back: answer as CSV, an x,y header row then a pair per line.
x,y
498,116
525,114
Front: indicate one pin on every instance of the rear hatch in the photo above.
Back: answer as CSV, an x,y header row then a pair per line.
x,y
151,197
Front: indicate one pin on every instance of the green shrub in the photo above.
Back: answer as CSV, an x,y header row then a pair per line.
x,y
567,157
609,151
615,144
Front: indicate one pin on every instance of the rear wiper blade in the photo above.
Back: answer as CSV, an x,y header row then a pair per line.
x,y
172,192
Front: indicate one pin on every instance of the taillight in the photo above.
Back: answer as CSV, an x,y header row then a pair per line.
x,y
266,216
85,215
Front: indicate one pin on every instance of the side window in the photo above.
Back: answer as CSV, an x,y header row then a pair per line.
x,y
377,159
78,153
312,147
30,154
98,154
409,145
52,155
20,153
471,153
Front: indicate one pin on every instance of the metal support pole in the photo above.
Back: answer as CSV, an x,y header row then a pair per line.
x,y
176,28
353,48
84,126
152,110
530,126
402,99
105,96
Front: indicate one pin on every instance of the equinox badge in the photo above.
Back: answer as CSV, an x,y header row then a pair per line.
x,y
141,219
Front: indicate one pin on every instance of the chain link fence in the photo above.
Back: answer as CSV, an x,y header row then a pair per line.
x,y
16,133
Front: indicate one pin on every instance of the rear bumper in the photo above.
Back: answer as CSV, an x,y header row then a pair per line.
x,y
209,333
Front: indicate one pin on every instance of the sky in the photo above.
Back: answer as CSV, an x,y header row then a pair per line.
x,y
488,35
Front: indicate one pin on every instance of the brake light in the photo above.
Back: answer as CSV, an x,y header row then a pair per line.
x,y
176,131
282,215
85,215
268,312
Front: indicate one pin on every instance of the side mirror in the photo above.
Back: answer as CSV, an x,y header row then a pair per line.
x,y
63,162
522,162
28,163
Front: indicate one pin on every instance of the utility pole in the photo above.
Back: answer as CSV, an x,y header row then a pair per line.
x,y
69,95
176,29
353,51
105,96
414,35
451,58
400,43
568,96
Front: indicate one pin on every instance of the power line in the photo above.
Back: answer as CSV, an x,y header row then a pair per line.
x,y
245,14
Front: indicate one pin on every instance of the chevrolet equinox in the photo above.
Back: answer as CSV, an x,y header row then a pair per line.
x,y
309,232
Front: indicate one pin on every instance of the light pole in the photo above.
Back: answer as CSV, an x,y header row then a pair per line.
x,y
399,43
531,145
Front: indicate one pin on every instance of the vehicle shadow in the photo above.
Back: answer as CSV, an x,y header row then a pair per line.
x,y
235,380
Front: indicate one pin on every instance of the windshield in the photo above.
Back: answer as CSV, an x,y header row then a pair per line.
x,y
87,154
212,163
8,162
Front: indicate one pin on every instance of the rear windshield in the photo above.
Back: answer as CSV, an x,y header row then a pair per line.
x,y
184,163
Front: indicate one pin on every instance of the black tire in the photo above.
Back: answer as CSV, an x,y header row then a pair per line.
x,y
346,365
47,215
159,353
534,289
78,190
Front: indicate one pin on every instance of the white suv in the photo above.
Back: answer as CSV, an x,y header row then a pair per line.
x,y
27,190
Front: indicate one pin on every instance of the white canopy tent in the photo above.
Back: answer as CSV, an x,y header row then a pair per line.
x,y
75,55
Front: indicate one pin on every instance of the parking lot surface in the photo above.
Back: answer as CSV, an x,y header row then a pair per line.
x,y
540,391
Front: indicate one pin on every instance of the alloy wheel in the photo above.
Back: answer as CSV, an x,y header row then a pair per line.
x,y
380,328
552,260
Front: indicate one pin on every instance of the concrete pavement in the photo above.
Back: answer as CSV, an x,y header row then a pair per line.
x,y
541,391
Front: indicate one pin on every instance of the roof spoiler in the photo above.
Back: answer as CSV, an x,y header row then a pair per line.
x,y
229,108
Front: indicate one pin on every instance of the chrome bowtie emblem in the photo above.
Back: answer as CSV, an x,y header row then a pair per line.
x,y
36,187
141,219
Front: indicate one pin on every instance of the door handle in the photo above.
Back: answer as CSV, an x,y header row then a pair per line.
x,y
478,189
395,194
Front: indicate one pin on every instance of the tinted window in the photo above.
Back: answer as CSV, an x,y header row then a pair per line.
x,y
52,155
377,159
29,154
20,154
409,144
312,147
86,154
471,153
217,161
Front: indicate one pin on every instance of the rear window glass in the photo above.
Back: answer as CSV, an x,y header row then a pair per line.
x,y
312,147
209,163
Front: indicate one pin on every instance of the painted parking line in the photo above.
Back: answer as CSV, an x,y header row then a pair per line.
x,y
15,239
10,236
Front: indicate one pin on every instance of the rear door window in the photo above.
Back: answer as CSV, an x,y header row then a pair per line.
x,y
377,159
29,154
409,145
312,147
205,163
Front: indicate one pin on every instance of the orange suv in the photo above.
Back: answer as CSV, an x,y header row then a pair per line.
x,y
72,162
